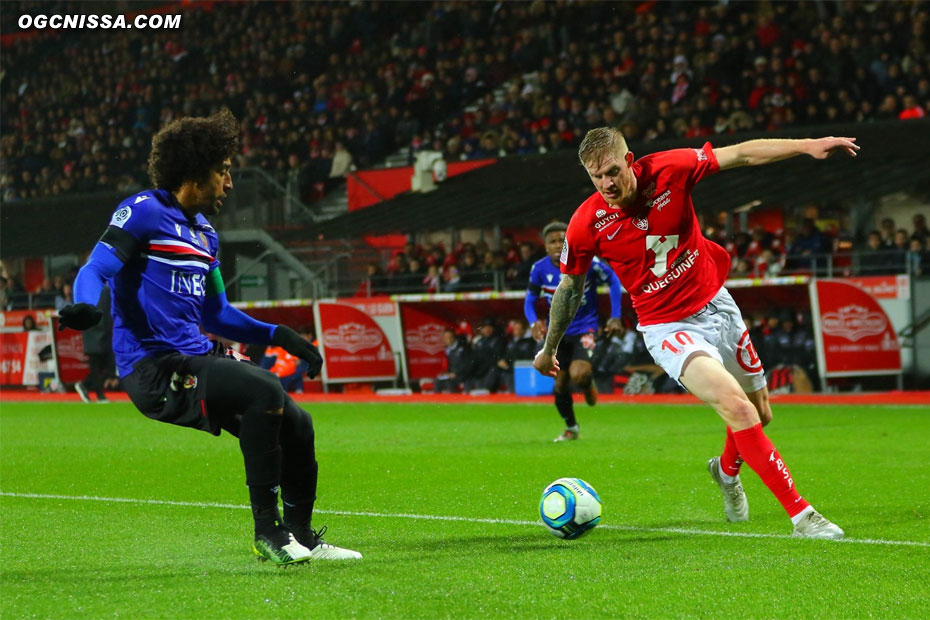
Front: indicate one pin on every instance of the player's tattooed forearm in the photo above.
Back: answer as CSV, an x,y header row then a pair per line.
x,y
565,302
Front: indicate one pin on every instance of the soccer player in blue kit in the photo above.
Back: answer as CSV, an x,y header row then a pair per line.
x,y
159,257
577,346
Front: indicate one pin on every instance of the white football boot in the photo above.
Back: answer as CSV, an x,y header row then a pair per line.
x,y
319,548
735,506
815,525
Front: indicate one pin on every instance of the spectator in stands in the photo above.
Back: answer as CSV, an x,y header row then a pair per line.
x,y
920,228
65,297
374,282
4,293
353,95
453,281
794,355
521,347
898,253
874,258
45,287
487,351
911,109
29,323
887,231
458,362
518,275
917,259
413,281
613,352
432,281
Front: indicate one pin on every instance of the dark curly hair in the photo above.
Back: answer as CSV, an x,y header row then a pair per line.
x,y
188,149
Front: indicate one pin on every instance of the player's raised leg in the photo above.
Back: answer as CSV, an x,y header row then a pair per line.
x,y
706,378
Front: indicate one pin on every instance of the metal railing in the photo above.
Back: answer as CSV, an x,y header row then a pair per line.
x,y
882,262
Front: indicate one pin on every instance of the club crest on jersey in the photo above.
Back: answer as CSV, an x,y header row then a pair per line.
x,y
178,382
121,217
600,213
203,240
641,223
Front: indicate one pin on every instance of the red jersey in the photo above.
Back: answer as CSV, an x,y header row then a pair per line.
x,y
655,245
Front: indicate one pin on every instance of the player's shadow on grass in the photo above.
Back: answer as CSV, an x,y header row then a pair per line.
x,y
531,543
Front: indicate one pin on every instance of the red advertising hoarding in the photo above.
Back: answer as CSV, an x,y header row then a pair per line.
x,y
358,338
426,352
26,355
853,334
72,363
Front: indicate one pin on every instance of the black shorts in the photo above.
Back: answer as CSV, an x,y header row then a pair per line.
x,y
172,387
575,347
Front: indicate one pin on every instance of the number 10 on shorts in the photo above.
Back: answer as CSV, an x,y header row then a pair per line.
x,y
682,338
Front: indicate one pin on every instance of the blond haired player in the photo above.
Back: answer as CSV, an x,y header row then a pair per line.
x,y
641,221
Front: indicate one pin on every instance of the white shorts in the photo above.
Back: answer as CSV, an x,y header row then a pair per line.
x,y
717,330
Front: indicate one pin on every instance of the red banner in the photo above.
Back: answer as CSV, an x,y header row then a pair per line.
x,y
854,335
20,359
884,287
72,363
12,357
354,346
426,352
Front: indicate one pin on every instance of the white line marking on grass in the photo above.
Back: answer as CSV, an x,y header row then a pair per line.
x,y
402,515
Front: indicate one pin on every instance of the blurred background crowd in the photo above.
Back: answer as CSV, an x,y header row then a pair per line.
x,y
322,87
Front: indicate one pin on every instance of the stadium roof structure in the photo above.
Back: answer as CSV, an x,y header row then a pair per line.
x,y
526,191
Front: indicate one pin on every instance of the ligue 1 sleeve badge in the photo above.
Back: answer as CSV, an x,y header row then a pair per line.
x,y
121,217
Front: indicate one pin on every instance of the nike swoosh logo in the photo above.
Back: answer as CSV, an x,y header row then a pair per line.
x,y
609,237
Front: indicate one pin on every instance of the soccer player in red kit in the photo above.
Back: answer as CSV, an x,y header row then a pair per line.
x,y
641,221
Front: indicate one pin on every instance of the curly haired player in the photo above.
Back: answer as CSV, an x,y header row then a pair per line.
x,y
159,257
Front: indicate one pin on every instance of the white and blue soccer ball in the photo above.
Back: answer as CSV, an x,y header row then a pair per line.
x,y
570,508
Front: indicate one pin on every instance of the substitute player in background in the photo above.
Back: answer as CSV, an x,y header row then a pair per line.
x,y
159,257
577,346
641,221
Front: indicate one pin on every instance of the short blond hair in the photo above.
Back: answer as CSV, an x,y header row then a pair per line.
x,y
600,142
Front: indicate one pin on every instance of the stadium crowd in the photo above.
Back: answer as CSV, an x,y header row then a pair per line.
x,y
322,86
429,268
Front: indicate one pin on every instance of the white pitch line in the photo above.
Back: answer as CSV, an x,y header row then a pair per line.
x,y
402,515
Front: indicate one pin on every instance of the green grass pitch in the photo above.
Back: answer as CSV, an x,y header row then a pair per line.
x,y
442,501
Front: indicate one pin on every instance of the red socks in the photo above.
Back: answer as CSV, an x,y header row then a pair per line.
x,y
760,454
730,460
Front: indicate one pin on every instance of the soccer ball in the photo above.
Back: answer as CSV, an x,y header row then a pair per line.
x,y
570,508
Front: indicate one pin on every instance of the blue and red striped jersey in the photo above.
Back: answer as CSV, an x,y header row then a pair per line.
x,y
159,293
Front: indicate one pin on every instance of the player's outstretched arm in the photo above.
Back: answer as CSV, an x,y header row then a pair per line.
x,y
220,318
103,263
759,152
565,302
